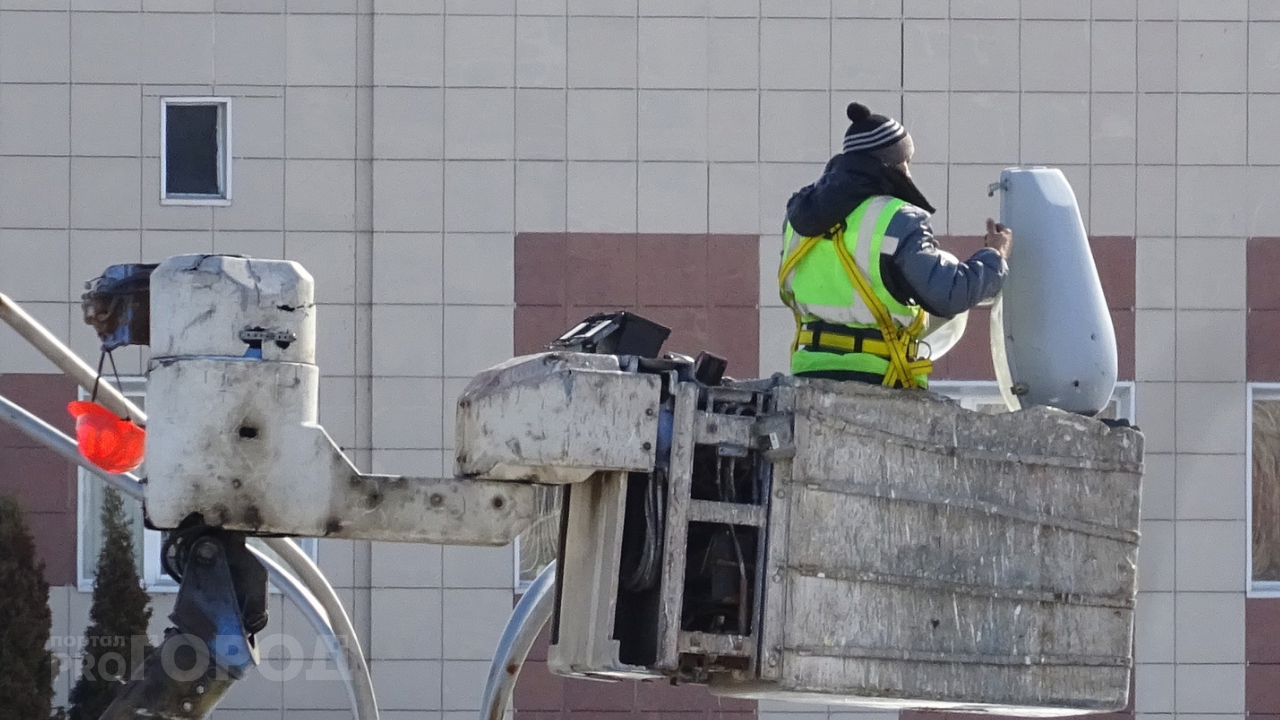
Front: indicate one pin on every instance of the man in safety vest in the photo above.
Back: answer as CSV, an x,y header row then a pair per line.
x,y
861,269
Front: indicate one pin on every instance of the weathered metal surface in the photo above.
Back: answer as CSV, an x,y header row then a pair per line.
x,y
527,620
224,441
727,513
703,643
1052,339
233,396
922,555
676,534
587,588
716,429
557,418
312,594
241,447
178,681
201,304
445,511
67,361
773,606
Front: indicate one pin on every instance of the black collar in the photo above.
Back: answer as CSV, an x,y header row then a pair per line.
x,y
880,179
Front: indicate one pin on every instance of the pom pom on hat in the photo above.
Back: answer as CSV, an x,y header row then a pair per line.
x,y
869,132
857,112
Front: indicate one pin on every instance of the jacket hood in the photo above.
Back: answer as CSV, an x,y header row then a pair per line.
x,y
846,182
872,177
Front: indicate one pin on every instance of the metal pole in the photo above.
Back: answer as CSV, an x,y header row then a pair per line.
x,y
54,439
528,618
344,648
315,614
361,689
66,360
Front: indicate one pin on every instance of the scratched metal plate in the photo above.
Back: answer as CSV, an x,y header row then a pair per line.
x,y
934,557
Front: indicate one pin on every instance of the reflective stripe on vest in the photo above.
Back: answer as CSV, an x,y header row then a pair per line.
x,y
820,288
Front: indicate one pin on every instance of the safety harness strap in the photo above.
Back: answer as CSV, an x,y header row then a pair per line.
x,y
899,344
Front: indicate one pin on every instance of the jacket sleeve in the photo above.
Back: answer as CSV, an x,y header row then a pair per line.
x,y
936,279
815,209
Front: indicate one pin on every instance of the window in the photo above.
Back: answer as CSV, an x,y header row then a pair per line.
x,y
537,545
1263,498
984,396
195,147
146,542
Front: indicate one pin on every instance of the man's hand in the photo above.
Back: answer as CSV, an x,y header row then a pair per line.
x,y
999,238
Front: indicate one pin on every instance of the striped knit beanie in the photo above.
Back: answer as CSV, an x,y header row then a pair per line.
x,y
881,136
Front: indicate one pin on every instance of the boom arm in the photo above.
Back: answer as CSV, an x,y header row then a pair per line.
x,y
779,538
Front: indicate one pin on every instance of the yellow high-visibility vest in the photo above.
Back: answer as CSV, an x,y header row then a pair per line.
x,y
835,278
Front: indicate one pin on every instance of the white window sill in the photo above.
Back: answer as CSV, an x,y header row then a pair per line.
x,y
206,201
1264,589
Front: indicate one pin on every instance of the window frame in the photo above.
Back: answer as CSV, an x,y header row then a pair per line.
x,y
154,579
1254,588
224,152
520,586
969,393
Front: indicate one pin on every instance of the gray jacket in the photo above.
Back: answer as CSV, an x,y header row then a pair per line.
x,y
932,277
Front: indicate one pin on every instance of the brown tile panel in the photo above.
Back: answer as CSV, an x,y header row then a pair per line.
x,y
1262,655
1116,258
1262,261
541,259
1122,321
42,482
45,395
540,695
1262,326
1262,343
706,289
55,536
962,246
734,333
538,690
671,270
1262,632
970,359
600,269
733,283
536,325
1262,689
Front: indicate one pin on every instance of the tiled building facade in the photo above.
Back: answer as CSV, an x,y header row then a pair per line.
x,y
464,178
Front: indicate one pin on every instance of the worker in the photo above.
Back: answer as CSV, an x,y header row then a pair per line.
x,y
861,269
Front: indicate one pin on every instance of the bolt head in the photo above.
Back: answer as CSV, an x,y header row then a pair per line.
x,y
206,551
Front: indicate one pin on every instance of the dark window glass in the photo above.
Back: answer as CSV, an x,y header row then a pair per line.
x,y
191,150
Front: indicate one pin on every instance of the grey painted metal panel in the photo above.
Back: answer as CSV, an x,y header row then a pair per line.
x,y
1052,339
938,557
557,418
